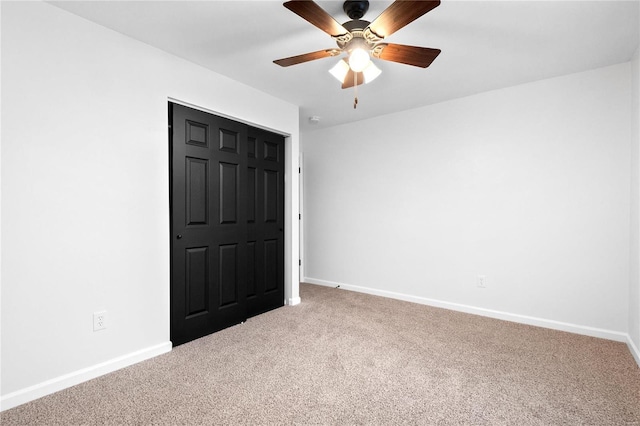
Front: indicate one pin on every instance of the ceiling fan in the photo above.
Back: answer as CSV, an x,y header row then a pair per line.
x,y
360,40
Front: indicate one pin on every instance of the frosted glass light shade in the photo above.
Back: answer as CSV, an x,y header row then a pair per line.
x,y
340,70
370,72
359,59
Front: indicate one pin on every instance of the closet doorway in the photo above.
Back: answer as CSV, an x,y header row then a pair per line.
x,y
227,222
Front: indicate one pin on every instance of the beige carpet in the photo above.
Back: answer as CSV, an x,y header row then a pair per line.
x,y
347,358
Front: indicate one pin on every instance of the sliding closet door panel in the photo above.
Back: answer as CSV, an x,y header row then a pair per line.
x,y
266,224
208,223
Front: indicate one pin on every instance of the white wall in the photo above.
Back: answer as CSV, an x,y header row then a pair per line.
x,y
85,193
634,282
528,186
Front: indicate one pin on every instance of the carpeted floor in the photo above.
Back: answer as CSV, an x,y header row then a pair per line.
x,y
346,358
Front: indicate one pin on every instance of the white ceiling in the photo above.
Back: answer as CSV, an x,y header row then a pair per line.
x,y
485,45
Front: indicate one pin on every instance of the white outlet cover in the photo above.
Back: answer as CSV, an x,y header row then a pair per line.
x,y
99,320
482,281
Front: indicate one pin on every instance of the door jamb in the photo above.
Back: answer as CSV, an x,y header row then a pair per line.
x,y
301,216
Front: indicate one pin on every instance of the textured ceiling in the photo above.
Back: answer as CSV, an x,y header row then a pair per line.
x,y
485,45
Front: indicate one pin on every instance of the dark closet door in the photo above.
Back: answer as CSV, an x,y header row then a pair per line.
x,y
223,250
265,221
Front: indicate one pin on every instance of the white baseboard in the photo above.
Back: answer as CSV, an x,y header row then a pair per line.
x,y
293,301
57,384
522,319
634,350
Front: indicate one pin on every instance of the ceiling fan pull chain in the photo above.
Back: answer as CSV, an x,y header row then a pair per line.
x,y
355,90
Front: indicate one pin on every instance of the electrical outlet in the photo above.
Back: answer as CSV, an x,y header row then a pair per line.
x,y
99,320
482,281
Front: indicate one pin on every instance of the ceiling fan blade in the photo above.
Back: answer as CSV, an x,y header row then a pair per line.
x,y
410,55
311,12
348,80
293,60
399,14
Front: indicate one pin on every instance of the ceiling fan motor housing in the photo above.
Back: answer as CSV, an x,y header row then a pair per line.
x,y
357,36
355,9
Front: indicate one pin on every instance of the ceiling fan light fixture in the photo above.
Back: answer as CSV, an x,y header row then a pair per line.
x,y
359,59
360,39
340,70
